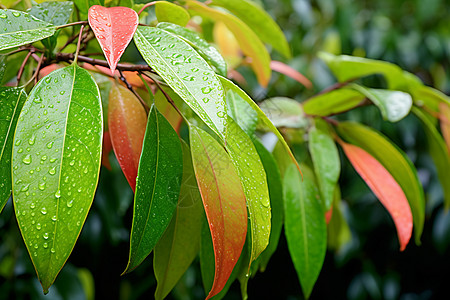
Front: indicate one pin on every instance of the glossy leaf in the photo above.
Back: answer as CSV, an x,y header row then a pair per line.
x,y
394,105
2,67
106,149
305,228
180,243
157,187
250,43
338,231
287,70
241,112
56,163
11,102
208,52
260,22
384,186
395,161
253,178
169,12
224,202
114,28
438,152
84,5
333,102
186,73
20,28
284,112
327,164
53,12
429,97
127,121
444,117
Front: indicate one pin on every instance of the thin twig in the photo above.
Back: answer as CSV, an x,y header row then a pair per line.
x,y
24,48
335,86
147,5
169,99
22,67
78,44
71,39
38,68
146,107
72,24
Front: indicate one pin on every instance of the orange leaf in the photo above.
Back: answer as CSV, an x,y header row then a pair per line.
x,y
107,147
282,68
384,186
329,214
444,117
127,121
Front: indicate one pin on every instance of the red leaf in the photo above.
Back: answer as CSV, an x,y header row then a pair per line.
x,y
114,28
444,117
282,68
107,147
127,121
329,215
384,186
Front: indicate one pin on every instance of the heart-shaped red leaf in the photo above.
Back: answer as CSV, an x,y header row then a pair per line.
x,y
114,28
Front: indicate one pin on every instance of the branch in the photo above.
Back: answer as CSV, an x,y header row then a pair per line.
x,y
143,103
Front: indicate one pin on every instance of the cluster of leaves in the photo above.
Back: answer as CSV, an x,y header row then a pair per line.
x,y
213,190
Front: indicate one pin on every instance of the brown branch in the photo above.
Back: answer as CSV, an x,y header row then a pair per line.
x,y
335,86
144,104
22,67
145,6
72,24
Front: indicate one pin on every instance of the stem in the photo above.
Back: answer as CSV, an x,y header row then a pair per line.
x,y
335,86
22,67
41,59
72,24
147,109
70,40
147,5
147,87
170,101
78,44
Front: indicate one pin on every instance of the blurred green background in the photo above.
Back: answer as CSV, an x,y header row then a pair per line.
x,y
414,34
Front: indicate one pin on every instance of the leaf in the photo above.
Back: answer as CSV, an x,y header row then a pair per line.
x,y
53,12
327,164
207,52
284,112
429,97
260,21
186,73
169,12
394,105
384,186
106,149
2,67
438,152
84,5
56,163
224,202
180,243
444,117
127,121
304,226
11,102
114,28
274,183
230,86
338,232
333,102
20,28
253,178
284,69
241,112
395,161
157,187
250,43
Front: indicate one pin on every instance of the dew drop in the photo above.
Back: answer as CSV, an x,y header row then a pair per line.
x,y
38,226
16,14
27,159
52,250
42,186
58,194
50,145
45,235
70,203
45,245
44,211
25,188
52,171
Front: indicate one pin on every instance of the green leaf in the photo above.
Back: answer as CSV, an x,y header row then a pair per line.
x,y
2,67
180,243
438,152
338,231
276,202
56,163
169,12
157,187
260,21
394,105
20,28
83,5
429,97
284,112
305,227
11,102
395,161
186,73
253,178
53,12
208,52
241,112
327,164
333,102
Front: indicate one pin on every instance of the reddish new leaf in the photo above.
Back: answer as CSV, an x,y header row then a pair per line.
x,y
127,121
444,117
224,202
329,215
107,147
282,68
384,186
114,28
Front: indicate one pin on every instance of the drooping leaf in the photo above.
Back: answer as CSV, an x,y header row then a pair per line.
x,y
260,22
20,28
384,186
396,163
114,28
127,121
393,105
157,187
56,163
241,112
253,178
169,12
249,42
305,228
438,152
224,203
444,117
333,102
186,73
429,97
180,243
11,102
284,112
228,46
327,164
287,70
53,12
208,52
